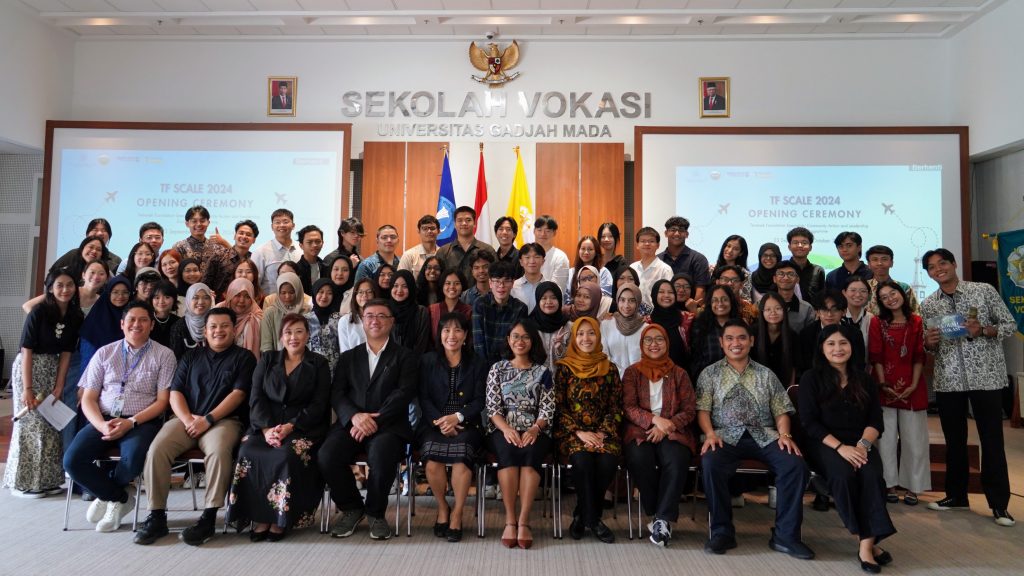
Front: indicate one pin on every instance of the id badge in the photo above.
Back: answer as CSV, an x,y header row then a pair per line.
x,y
118,406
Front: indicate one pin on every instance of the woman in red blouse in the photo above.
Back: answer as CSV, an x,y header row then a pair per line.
x,y
896,338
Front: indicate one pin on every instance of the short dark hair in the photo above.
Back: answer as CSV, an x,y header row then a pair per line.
x,y
167,288
139,304
484,255
306,230
282,212
150,226
800,231
835,296
739,322
466,210
534,248
351,225
613,228
220,311
252,225
719,270
385,227
677,222
880,249
848,235
501,269
294,266
427,219
648,231
197,209
538,355
386,303
463,322
786,264
511,223
546,221
95,222
289,319
941,253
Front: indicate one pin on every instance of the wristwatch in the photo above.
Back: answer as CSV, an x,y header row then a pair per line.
x,y
461,417
133,421
863,443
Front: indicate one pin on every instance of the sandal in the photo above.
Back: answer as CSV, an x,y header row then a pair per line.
x,y
525,543
910,499
509,542
892,497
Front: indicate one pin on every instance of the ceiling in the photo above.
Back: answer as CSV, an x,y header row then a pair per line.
x,y
567,20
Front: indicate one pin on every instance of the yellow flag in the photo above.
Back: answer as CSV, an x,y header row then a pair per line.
x,y
520,208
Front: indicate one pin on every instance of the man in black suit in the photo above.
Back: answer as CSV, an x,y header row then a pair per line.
x,y
373,385
283,100
713,101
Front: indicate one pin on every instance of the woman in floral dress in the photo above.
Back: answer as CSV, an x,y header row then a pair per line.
x,y
277,485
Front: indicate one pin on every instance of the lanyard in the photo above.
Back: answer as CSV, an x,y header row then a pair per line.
x,y
138,359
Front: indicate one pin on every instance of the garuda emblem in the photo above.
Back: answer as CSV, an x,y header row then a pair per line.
x,y
494,64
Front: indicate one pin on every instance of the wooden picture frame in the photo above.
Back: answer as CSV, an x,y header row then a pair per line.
x,y
713,97
282,103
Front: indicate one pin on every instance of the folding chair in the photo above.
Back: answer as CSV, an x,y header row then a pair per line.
x,y
113,455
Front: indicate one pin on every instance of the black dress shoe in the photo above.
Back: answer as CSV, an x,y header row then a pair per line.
x,y
603,533
869,567
719,544
796,549
275,536
884,558
151,530
454,535
576,529
255,536
440,530
820,503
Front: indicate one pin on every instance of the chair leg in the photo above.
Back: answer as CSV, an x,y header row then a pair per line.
x,y
67,503
480,510
629,506
411,508
398,500
192,482
138,502
693,497
556,503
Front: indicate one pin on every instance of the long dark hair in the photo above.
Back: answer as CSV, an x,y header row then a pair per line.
x,y
883,311
538,355
423,288
856,377
741,260
706,319
130,268
78,262
763,340
598,260
356,311
49,306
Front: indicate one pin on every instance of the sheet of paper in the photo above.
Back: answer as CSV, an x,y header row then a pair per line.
x,y
56,412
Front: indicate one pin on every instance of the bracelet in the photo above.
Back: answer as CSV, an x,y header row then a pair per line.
x,y
838,446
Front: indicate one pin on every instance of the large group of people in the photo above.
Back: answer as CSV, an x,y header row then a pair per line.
x,y
284,367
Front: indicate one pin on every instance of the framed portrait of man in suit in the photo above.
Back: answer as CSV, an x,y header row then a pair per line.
x,y
714,97
282,92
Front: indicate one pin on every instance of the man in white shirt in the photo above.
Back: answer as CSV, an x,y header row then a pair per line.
x,y
278,249
556,263
413,258
649,267
524,289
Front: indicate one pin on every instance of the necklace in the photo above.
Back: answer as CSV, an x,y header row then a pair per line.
x,y
891,342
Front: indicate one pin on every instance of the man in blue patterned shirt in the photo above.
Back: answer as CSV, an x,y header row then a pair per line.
x,y
743,411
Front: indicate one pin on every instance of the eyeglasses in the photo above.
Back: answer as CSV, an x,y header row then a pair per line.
x,y
891,295
433,268
501,281
653,340
519,337
720,301
364,293
832,310
675,230
860,291
729,280
785,274
376,317
648,241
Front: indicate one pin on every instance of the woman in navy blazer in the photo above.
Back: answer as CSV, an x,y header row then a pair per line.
x,y
452,387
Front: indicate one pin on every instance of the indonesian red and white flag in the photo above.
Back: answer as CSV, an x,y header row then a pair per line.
x,y
484,223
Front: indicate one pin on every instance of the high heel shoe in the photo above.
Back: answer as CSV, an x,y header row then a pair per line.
x,y
509,542
255,536
525,543
275,536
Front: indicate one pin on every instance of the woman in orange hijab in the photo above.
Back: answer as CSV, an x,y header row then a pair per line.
x,y
660,406
588,399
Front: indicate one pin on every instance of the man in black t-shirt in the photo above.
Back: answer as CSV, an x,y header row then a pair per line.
x,y
209,396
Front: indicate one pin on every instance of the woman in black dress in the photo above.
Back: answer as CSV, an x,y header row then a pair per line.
x,y
412,321
452,385
840,411
277,484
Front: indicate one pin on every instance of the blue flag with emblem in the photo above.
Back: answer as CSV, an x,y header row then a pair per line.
x,y
446,205
1010,246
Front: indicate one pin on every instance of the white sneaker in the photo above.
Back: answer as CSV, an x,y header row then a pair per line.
x,y
116,511
97,508
32,494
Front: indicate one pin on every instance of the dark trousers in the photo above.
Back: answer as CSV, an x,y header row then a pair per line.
x,y
384,450
988,418
593,474
659,473
790,479
859,494
105,483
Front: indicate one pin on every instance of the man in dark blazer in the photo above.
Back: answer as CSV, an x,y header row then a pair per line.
x,y
283,100
373,385
713,101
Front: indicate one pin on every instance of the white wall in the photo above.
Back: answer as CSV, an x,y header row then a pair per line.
x,y
988,83
37,68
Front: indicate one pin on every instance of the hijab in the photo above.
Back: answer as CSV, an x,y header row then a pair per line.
x,y
652,369
670,319
593,364
324,314
628,325
196,322
181,273
615,283
547,323
572,312
293,279
339,291
405,311
763,279
247,326
103,324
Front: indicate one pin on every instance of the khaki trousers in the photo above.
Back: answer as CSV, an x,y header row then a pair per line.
x,y
172,441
